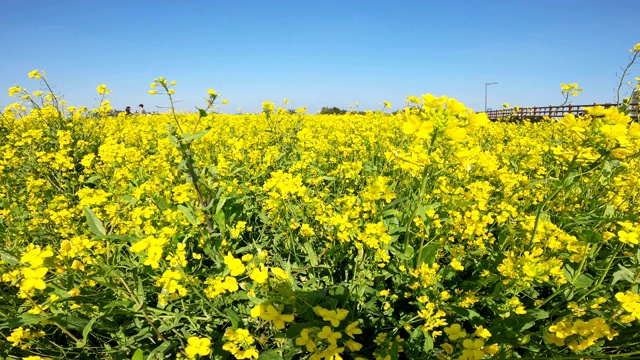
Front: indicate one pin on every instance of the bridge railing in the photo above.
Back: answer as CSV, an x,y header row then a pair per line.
x,y
550,111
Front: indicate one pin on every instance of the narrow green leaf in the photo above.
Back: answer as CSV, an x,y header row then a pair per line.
x,y
233,317
221,203
140,294
95,224
313,259
86,331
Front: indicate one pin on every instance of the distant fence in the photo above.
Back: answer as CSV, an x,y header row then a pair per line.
x,y
550,111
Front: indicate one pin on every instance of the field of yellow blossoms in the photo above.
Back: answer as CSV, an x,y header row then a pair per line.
x,y
427,233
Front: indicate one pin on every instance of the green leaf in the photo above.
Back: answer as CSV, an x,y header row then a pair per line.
x,y
23,319
233,317
428,342
189,215
71,321
202,113
86,331
583,281
590,236
140,294
220,219
609,211
408,250
8,258
568,272
313,260
95,224
569,179
538,314
339,291
540,181
159,350
174,141
468,314
221,203
394,351
390,212
271,354
138,355
623,274
117,303
189,138
428,254
93,179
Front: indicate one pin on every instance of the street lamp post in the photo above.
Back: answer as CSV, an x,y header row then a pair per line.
x,y
485,94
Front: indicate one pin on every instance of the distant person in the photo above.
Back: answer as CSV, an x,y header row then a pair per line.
x,y
141,109
128,110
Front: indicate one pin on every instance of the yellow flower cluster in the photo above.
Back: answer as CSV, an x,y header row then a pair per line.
x,y
572,89
154,247
171,288
240,344
579,335
20,337
630,302
270,313
471,348
325,343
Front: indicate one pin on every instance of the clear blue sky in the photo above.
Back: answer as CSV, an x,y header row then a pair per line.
x,y
319,53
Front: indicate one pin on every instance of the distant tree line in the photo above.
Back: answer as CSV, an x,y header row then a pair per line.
x,y
332,111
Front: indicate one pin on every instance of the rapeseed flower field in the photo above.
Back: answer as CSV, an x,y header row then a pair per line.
x,y
426,233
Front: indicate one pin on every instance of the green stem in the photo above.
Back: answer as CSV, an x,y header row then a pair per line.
x,y
550,197
624,74
604,273
144,314
423,186
186,153
581,266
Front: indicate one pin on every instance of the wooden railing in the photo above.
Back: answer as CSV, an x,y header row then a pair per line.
x,y
550,111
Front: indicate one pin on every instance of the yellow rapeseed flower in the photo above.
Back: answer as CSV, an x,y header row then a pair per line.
x,y
197,346
332,316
